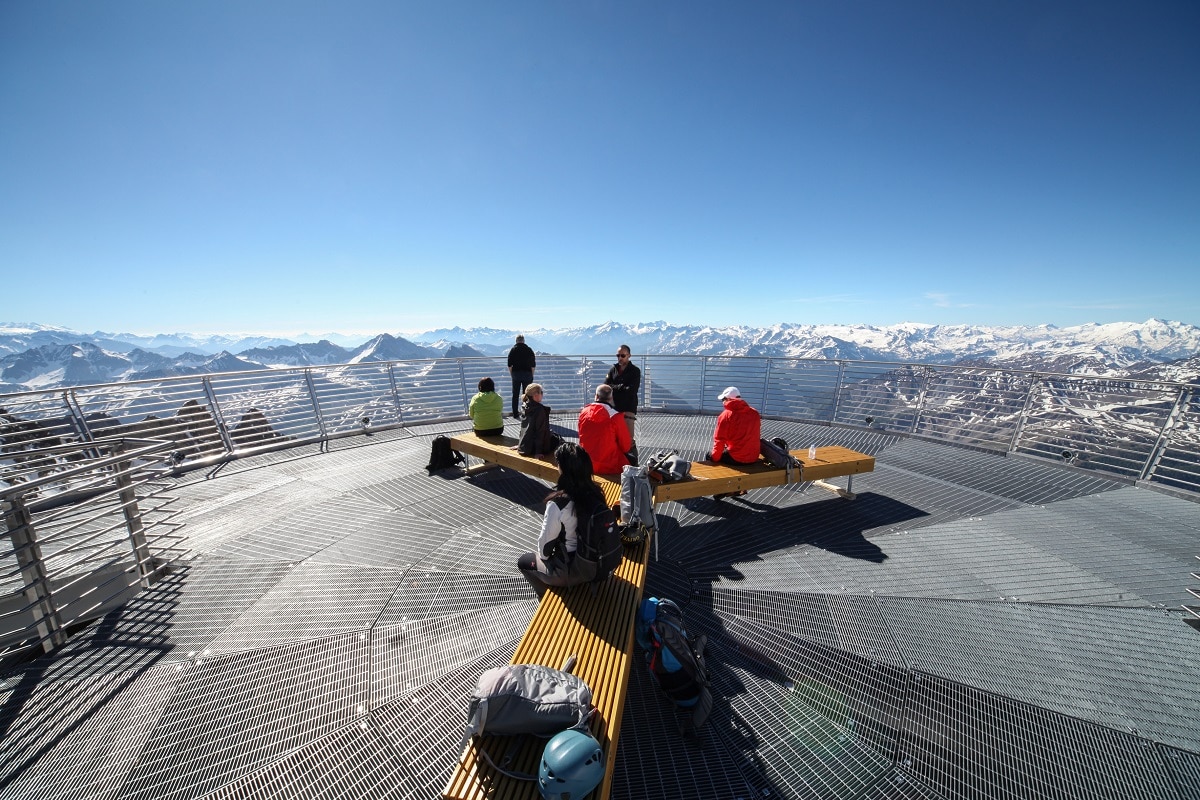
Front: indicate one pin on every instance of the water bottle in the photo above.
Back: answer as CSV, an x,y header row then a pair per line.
x,y
812,452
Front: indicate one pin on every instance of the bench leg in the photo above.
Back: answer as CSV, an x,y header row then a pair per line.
x,y
484,467
846,493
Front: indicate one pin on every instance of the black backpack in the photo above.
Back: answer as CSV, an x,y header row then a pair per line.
x,y
599,541
443,456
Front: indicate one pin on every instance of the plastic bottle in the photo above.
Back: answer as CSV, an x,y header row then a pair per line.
x,y
812,452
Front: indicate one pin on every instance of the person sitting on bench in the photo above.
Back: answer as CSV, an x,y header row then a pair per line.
x,y
604,434
739,428
536,438
576,497
487,410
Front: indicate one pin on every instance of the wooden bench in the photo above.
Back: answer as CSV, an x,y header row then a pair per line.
x,y
598,629
707,478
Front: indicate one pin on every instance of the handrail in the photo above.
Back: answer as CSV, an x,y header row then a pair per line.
x,y
1141,430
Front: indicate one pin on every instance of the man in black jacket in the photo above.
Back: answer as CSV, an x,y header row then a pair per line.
x,y
626,380
521,363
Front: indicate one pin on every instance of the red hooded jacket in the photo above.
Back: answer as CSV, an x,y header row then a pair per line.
x,y
739,429
605,436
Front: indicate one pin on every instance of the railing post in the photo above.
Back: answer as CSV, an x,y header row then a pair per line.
x,y
837,397
391,370
925,372
646,393
1164,435
217,415
1034,383
766,386
316,404
462,386
703,377
36,581
78,419
146,565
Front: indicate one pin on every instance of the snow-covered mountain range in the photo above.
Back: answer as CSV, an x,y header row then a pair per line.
x,y
34,356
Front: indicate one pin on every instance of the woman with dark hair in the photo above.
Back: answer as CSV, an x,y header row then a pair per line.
x,y
487,410
575,499
536,438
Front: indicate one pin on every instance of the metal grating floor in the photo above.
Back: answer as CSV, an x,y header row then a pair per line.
x,y
973,626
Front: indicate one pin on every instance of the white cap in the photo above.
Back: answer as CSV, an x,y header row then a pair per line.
x,y
730,392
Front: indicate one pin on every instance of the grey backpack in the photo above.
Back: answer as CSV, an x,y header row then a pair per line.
x,y
637,504
667,466
527,698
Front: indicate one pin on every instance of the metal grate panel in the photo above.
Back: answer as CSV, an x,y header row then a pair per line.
x,y
425,726
1019,479
233,714
76,735
409,655
971,744
350,599
350,762
1136,677
424,595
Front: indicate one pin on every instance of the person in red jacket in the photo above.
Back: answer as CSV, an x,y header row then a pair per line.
x,y
736,439
603,433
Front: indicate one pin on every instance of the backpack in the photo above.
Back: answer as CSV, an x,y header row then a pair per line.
x,y
527,698
443,456
776,452
675,659
637,505
667,466
599,541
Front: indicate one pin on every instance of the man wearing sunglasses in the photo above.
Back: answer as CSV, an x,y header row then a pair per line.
x,y
626,380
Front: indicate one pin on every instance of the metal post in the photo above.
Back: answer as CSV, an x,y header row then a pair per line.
x,y
462,387
703,376
78,418
391,371
766,386
316,404
217,415
837,397
925,372
1034,383
1182,400
146,565
38,593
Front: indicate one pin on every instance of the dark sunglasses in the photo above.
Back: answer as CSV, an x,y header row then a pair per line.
x,y
622,355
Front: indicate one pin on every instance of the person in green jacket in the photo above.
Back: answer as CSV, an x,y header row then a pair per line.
x,y
487,410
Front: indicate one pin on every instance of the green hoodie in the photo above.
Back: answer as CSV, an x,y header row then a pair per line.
x,y
487,411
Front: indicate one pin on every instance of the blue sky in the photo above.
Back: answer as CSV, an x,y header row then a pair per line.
x,y
399,166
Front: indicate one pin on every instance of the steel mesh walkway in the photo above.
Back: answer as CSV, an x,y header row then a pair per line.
x,y
971,627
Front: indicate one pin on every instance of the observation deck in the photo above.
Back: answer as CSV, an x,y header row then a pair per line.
x,y
999,614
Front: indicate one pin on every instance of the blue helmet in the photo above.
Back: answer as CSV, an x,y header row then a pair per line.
x,y
572,765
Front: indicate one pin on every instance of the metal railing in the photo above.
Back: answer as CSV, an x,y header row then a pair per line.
x,y
85,530
1143,431
1140,430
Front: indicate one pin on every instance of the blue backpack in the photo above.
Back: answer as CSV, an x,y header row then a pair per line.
x,y
675,659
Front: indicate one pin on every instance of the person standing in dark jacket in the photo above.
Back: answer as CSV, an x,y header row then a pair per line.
x,y
521,363
626,380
